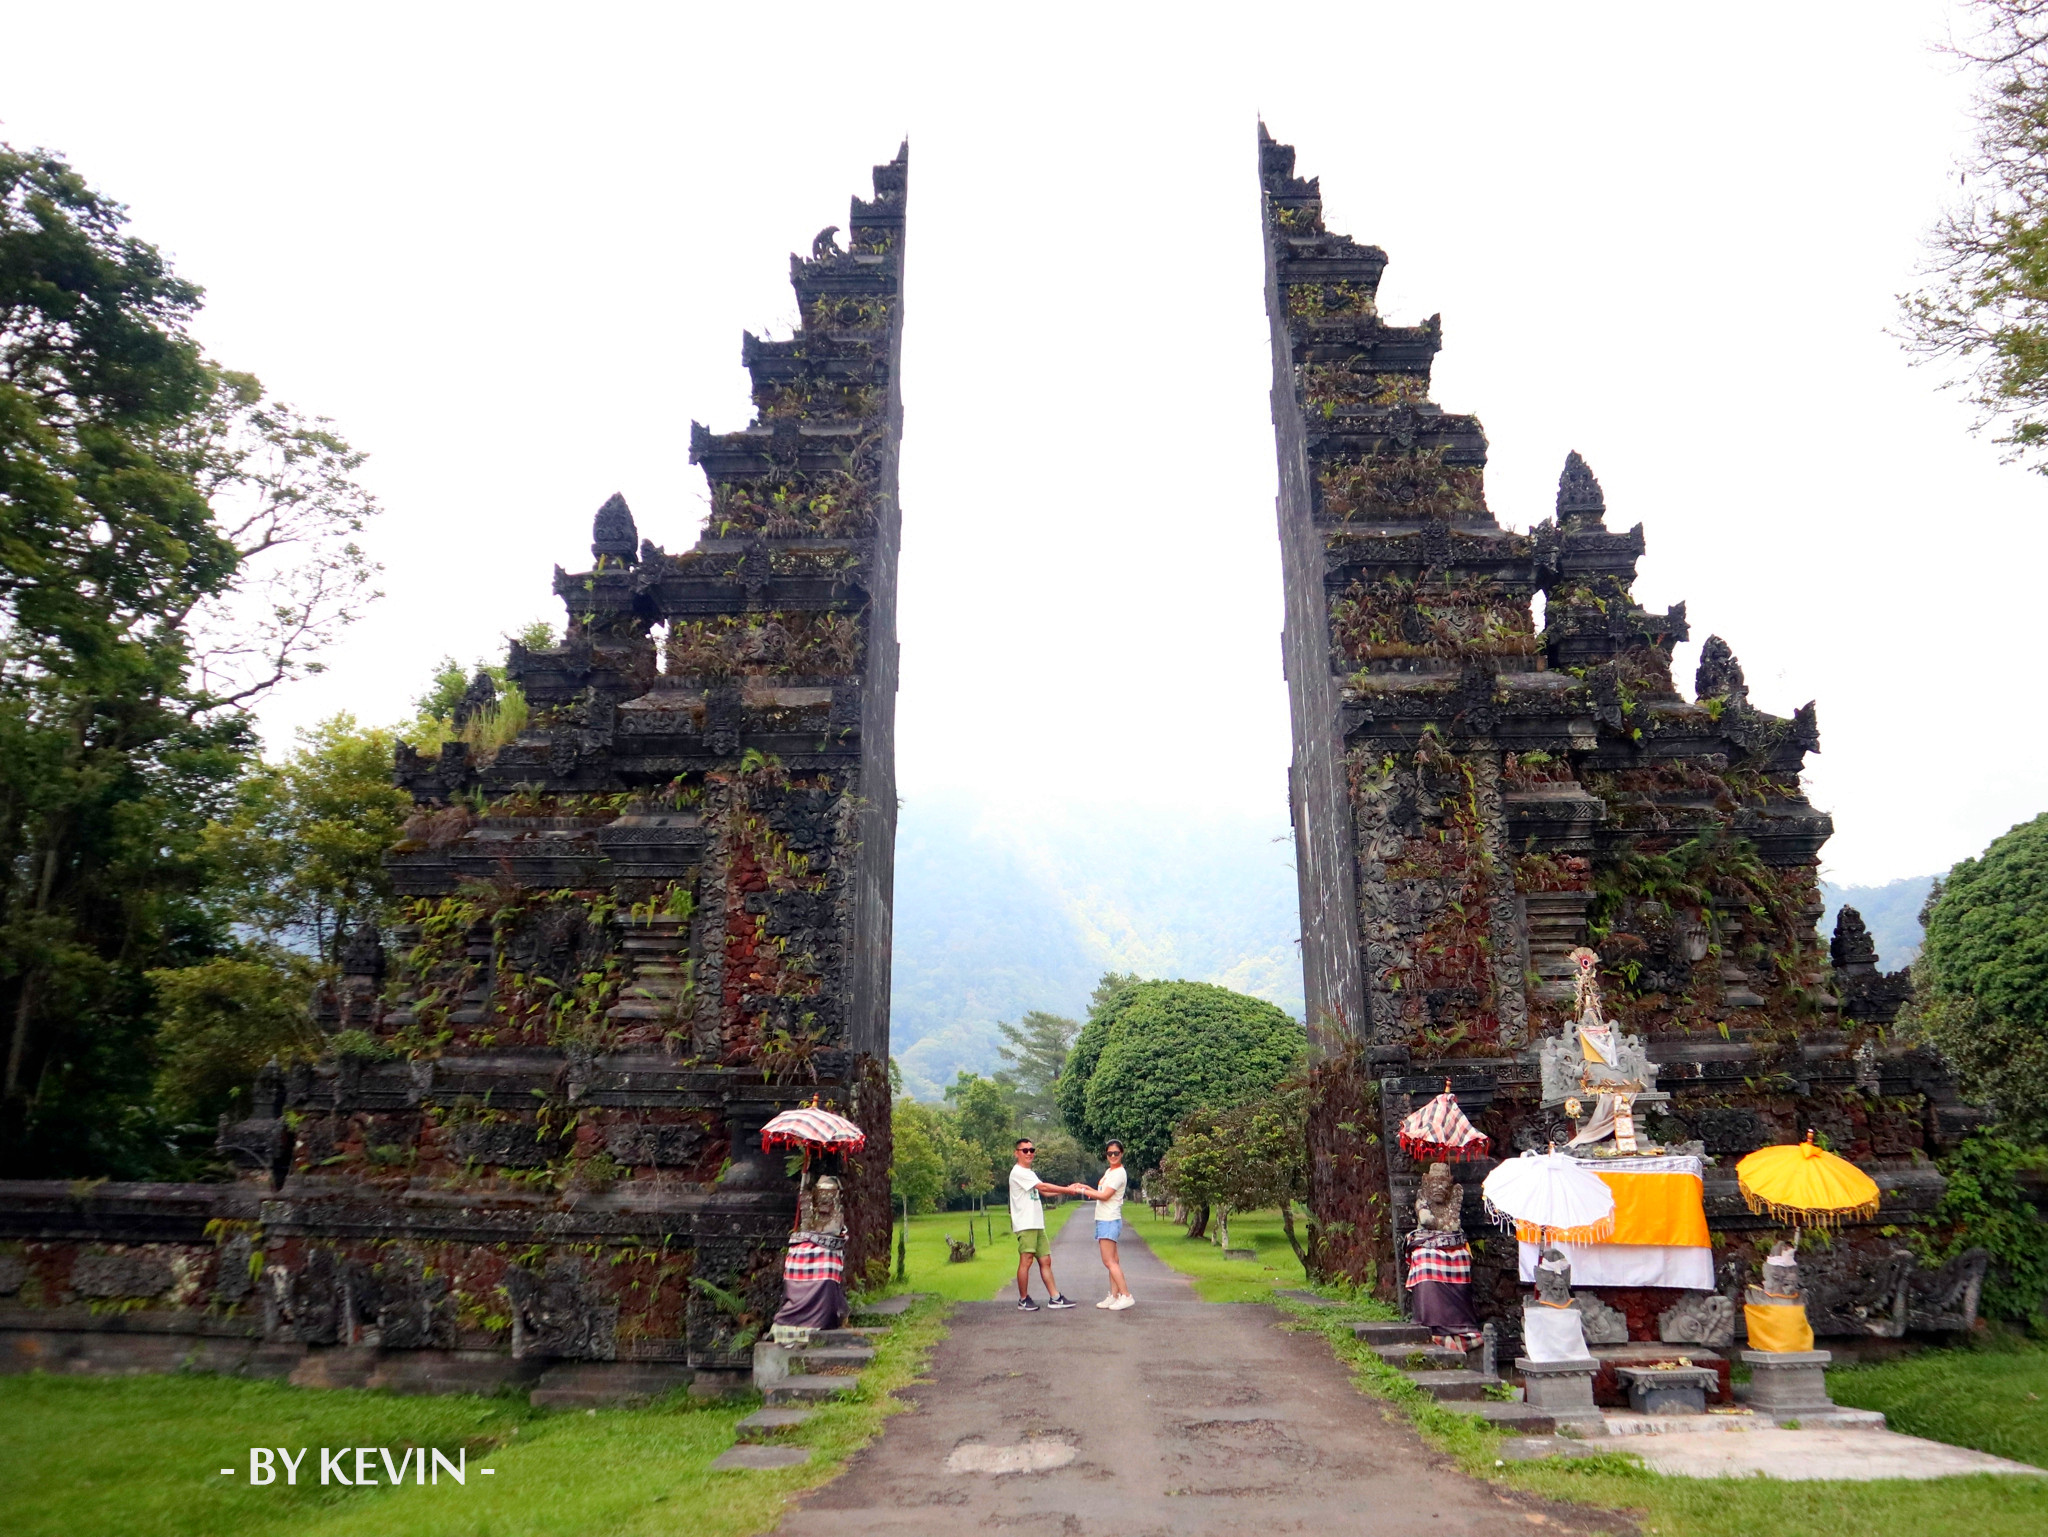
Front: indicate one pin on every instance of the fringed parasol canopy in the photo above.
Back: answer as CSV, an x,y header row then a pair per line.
x,y
1439,1130
1805,1185
814,1130
1550,1198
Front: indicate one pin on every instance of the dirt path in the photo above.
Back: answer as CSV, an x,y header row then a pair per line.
x,y
1176,1417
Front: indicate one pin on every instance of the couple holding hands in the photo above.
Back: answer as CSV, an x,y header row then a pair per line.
x,y
1027,1221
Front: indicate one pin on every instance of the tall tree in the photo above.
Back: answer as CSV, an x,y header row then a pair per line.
x,y
172,547
1252,1156
1980,987
1158,1050
986,1113
1983,308
1036,1048
303,850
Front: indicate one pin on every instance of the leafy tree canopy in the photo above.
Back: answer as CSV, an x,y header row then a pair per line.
x,y
1252,1156
1986,1205
173,546
304,846
1036,1050
221,1021
1983,309
1151,1052
934,1165
1981,983
987,1115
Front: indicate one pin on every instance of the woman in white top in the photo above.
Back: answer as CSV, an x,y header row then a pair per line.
x,y
1109,1224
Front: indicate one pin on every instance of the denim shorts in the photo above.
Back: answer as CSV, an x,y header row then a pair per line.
x,y
1110,1230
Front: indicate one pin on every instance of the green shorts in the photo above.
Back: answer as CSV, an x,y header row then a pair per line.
x,y
1031,1240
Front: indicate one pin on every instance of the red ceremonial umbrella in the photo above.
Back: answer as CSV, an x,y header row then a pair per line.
x,y
814,1130
1439,1130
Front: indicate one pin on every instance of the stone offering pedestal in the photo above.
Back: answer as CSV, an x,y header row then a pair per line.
x,y
1610,1392
1786,1383
1668,1389
1564,1391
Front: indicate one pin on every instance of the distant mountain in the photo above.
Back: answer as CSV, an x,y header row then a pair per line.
x,y
1890,911
999,911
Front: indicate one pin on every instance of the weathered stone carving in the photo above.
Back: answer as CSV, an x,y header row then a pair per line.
x,y
1854,1291
561,1312
1440,1202
121,1275
1944,1300
1474,797
1604,1325
653,917
1707,1320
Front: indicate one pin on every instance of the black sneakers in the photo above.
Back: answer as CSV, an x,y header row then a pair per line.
x,y
1059,1302
1026,1305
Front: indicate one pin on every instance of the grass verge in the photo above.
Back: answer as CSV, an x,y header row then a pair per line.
x,y
1218,1279
976,1280
143,1454
1992,1396
1988,1505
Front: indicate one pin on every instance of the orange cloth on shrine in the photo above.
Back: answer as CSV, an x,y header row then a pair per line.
x,y
1782,1326
1652,1208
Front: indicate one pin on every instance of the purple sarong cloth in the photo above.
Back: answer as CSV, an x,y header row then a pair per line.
x,y
817,1304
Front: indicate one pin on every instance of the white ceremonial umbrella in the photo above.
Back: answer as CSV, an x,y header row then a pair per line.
x,y
1550,1198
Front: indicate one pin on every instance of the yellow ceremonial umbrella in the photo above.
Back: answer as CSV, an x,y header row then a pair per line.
x,y
1805,1185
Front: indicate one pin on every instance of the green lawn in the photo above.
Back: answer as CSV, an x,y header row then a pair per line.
x,y
930,1270
142,1455
1932,1392
1993,1397
1225,1280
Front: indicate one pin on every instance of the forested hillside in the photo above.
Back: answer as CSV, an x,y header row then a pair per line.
x,y
1000,911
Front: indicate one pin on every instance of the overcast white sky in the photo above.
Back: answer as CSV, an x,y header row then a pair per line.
x,y
510,251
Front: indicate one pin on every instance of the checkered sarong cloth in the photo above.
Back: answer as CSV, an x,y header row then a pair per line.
x,y
1439,1257
815,1257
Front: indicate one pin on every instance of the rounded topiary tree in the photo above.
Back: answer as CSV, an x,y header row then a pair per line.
x,y
1981,983
1154,1051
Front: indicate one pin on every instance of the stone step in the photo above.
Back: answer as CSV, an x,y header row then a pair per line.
x,y
847,1337
771,1424
1516,1418
1447,1387
1391,1334
1424,1357
830,1360
806,1389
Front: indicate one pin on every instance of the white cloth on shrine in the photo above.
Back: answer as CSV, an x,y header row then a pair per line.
x,y
1601,1039
1599,1126
1629,1264
1553,1334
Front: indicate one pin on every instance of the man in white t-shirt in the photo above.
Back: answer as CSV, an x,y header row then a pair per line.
x,y
1109,1224
1027,1221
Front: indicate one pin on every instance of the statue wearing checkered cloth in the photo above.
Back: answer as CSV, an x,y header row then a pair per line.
x,y
1440,1261
814,1263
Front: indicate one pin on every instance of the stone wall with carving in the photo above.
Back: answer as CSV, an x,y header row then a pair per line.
x,y
628,937
1514,789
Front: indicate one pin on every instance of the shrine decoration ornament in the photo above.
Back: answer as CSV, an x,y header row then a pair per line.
x,y
1550,1198
1439,1132
1806,1185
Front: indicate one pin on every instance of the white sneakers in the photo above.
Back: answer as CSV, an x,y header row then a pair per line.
x,y
1118,1304
1107,1302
